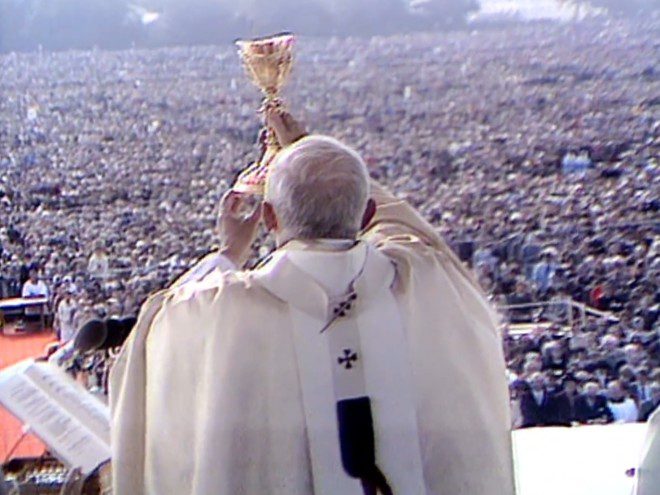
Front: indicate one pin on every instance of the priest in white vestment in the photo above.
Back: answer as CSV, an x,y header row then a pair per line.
x,y
359,358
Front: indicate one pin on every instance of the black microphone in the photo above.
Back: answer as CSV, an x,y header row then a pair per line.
x,y
98,335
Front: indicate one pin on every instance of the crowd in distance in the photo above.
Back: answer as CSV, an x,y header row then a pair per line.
x,y
533,150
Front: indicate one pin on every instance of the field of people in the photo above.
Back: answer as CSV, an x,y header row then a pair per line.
x,y
533,150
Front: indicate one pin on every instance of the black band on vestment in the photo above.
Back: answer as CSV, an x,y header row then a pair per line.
x,y
357,445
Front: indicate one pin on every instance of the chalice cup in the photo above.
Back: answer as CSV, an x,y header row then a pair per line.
x,y
267,62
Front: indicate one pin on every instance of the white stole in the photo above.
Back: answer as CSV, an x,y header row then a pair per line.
x,y
373,334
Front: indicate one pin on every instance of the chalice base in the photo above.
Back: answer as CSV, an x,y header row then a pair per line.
x,y
253,179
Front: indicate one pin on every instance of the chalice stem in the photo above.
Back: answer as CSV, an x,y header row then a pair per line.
x,y
268,63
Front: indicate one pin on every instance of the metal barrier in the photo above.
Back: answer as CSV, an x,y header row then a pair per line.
x,y
572,310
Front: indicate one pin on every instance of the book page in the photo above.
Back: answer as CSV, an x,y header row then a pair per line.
x,y
34,398
72,397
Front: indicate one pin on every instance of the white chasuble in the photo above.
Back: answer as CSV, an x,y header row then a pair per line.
x,y
227,386
362,353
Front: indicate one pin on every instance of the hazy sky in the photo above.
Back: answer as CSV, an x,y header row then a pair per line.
x,y
529,9
64,24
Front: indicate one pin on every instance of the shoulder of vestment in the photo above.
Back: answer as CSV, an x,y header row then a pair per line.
x,y
217,285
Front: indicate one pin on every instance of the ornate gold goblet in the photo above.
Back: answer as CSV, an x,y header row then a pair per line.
x,y
268,64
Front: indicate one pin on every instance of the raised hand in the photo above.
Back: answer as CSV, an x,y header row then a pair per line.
x,y
287,129
236,231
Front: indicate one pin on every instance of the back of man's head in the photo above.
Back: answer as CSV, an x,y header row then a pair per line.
x,y
318,188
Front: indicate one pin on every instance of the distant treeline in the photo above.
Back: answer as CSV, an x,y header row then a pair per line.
x,y
62,24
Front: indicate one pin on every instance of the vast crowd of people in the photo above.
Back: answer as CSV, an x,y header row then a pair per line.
x,y
532,149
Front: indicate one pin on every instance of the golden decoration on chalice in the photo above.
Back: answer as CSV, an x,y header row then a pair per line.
x,y
267,62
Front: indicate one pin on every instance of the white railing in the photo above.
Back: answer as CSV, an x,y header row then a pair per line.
x,y
572,310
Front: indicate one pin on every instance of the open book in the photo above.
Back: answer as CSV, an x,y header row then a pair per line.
x,y
73,423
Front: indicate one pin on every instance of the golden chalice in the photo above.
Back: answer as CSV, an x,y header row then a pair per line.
x,y
268,64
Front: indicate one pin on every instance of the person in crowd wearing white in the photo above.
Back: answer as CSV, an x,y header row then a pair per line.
x,y
65,317
34,287
360,357
98,265
623,408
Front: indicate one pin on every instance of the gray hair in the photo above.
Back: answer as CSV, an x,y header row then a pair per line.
x,y
319,188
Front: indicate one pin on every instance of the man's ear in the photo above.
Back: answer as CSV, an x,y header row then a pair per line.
x,y
369,213
270,219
